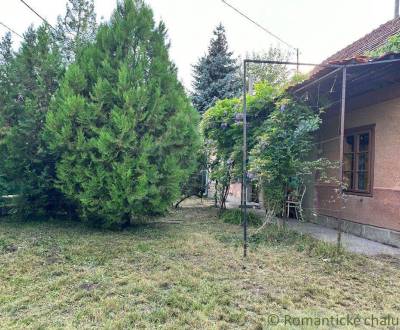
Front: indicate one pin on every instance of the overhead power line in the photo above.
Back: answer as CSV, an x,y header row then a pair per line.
x,y
37,14
267,31
11,30
259,25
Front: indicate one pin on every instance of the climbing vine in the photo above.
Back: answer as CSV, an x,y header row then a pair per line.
x,y
280,142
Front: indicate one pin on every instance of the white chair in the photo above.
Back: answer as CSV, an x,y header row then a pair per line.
x,y
294,201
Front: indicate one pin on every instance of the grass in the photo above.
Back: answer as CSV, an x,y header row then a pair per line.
x,y
182,271
234,216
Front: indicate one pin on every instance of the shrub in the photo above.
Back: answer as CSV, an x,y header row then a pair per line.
x,y
234,216
121,124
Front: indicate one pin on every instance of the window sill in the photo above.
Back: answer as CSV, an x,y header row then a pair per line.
x,y
358,193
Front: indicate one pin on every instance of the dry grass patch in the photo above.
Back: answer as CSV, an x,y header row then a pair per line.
x,y
182,271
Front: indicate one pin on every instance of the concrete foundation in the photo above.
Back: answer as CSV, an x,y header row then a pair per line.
x,y
381,235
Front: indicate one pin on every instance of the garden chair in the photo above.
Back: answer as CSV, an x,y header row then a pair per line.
x,y
294,201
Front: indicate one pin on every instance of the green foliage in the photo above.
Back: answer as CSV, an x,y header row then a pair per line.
x,y
283,149
222,127
280,141
121,125
222,133
274,235
196,184
234,216
391,46
6,58
29,79
272,74
76,29
216,75
296,78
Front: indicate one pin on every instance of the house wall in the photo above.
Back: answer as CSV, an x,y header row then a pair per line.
x,y
382,209
235,193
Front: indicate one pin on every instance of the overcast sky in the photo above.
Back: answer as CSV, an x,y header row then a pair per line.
x,y
318,27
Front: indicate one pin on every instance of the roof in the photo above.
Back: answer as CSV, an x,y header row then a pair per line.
x,y
370,42
364,75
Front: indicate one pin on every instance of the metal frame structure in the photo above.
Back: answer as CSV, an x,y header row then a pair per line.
x,y
337,68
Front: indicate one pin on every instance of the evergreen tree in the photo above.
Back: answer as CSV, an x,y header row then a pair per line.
x,y
216,75
6,53
77,27
6,71
6,57
32,79
121,123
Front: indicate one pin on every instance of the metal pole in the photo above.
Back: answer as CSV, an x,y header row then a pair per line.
x,y
396,8
244,174
318,80
251,84
298,59
342,118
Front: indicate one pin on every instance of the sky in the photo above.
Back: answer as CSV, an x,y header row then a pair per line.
x,y
318,28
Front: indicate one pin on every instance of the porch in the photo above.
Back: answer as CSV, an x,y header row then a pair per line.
x,y
360,131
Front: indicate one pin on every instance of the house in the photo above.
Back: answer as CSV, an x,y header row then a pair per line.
x,y
361,130
361,133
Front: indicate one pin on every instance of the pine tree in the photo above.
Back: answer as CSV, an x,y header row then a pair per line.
x,y
77,27
6,70
216,75
6,53
6,58
121,123
32,79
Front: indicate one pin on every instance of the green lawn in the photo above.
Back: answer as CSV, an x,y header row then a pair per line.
x,y
182,271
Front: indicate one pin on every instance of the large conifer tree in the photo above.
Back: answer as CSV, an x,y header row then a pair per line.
x,y
121,124
29,80
6,77
6,58
216,75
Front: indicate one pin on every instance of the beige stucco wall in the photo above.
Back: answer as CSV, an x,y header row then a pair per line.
x,y
383,208
235,193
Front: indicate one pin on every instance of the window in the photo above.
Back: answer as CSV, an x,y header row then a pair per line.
x,y
358,160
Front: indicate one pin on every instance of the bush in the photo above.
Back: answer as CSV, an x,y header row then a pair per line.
x,y
121,125
234,216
